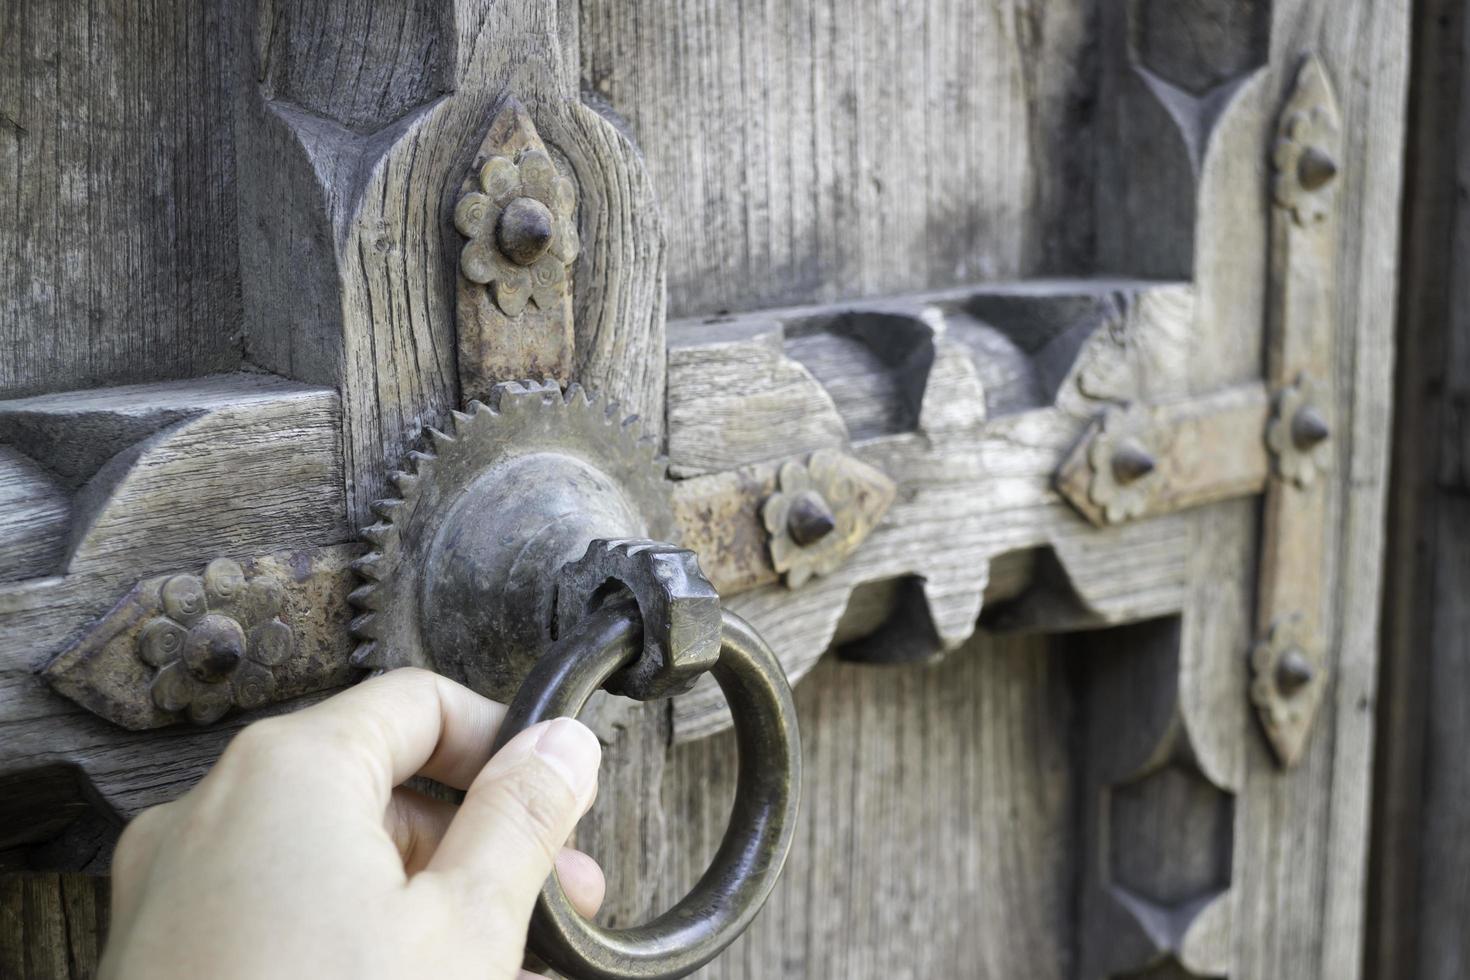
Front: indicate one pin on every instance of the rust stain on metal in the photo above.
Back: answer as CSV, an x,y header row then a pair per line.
x,y
514,299
197,644
740,521
1197,451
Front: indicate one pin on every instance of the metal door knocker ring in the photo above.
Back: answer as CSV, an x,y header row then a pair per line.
x,y
762,821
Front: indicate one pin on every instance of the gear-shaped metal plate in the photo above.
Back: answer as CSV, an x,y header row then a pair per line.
x,y
486,514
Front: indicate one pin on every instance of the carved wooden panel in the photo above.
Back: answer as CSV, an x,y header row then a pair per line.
x,y
924,438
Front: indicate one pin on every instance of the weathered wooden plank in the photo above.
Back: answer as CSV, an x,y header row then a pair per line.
x,y
919,853
171,476
51,925
970,488
1300,913
118,258
811,151
170,463
1417,902
346,236
735,398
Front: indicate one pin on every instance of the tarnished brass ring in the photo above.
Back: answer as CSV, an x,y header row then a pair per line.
x,y
768,786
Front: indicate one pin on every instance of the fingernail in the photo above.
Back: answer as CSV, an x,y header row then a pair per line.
x,y
570,748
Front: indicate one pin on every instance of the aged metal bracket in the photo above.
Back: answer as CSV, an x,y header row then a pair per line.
x,y
195,645
1150,459
516,211
1147,460
1290,662
781,521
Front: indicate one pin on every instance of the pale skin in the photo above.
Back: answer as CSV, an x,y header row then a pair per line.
x,y
300,854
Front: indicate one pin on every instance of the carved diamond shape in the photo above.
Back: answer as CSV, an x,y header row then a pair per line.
x,y
1171,835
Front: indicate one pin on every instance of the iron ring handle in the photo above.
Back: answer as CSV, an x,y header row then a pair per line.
x,y
762,822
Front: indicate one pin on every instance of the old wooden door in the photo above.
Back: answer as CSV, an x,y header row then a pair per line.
x,y
1022,369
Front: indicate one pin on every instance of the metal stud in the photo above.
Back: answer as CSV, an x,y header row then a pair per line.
x,y
1293,672
810,519
525,230
1132,462
1315,169
1309,428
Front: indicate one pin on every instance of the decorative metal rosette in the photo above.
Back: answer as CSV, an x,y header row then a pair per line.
x,y
1124,459
216,642
1305,172
520,230
1286,681
1298,434
822,510
524,419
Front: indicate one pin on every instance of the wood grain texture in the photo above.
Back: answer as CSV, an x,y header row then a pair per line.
x,y
118,257
735,397
1418,902
52,925
822,149
1301,913
347,248
918,853
34,515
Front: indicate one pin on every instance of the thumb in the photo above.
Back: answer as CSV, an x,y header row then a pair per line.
x,y
516,816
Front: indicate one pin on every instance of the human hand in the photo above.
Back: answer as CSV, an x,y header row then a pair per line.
x,y
300,855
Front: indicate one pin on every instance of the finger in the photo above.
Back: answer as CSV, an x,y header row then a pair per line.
x,y
582,879
392,726
417,824
134,855
516,816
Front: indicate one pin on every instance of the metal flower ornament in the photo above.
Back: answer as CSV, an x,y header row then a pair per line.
x,y
1125,463
1305,171
822,510
207,658
1298,434
520,231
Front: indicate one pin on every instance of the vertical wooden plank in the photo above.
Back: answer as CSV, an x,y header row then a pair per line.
x,y
1303,839
1418,899
51,925
820,149
118,258
936,834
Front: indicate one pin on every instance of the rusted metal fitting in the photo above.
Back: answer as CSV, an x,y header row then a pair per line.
x,y
822,509
1299,435
1124,458
1287,678
679,608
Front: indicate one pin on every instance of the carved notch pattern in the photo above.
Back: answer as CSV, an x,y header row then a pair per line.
x,y
1197,45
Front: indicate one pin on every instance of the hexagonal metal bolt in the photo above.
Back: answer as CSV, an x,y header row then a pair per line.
x,y
679,607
